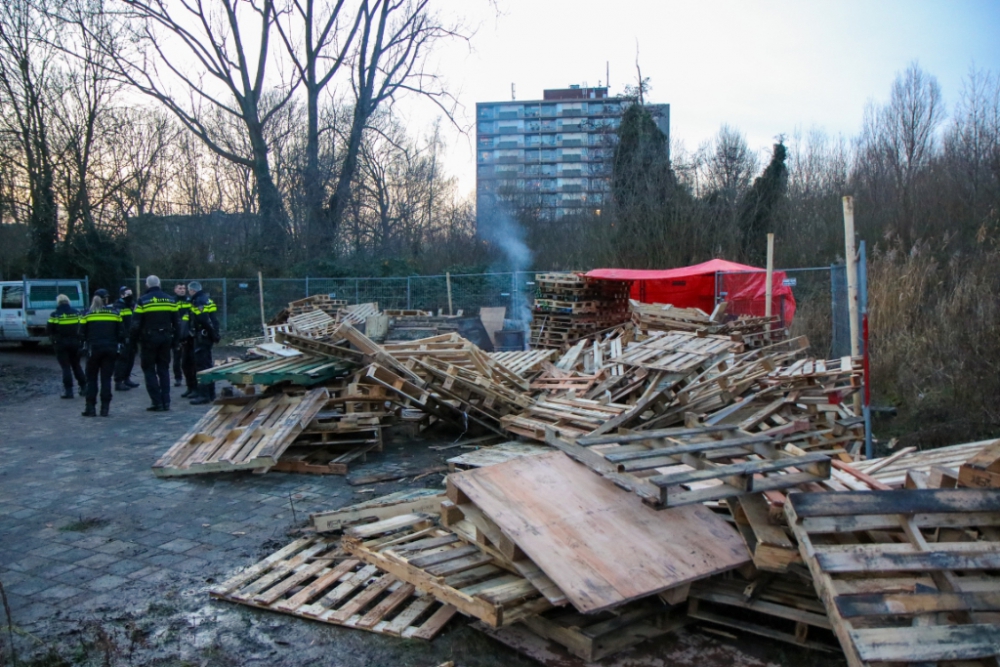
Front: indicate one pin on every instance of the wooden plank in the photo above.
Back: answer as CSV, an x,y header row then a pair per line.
x,y
928,643
909,604
903,501
600,546
423,501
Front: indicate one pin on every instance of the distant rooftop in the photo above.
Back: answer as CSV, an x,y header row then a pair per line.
x,y
575,93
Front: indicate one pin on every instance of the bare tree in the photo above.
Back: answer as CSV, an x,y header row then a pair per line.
x,y
318,35
972,146
388,59
27,71
897,145
195,57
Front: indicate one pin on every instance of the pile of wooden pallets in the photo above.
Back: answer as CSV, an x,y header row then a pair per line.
x,y
570,306
752,331
568,556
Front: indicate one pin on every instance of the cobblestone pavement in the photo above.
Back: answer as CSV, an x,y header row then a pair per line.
x,y
93,545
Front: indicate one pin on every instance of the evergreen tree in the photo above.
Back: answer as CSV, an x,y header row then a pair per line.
x,y
763,204
641,167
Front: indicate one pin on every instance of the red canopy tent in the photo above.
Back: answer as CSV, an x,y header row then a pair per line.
x,y
743,287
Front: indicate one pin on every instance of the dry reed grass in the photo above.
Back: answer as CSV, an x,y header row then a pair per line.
x,y
935,342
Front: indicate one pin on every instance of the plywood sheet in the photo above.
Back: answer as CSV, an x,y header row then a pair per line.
x,y
600,544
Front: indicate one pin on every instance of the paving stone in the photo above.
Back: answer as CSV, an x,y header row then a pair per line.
x,y
113,547
49,550
28,586
105,582
166,559
124,568
179,545
59,592
29,563
98,561
77,576
74,555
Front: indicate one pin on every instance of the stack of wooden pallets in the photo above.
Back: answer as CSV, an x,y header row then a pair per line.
x,y
569,306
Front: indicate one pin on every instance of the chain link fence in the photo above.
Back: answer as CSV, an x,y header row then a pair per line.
x,y
820,296
238,299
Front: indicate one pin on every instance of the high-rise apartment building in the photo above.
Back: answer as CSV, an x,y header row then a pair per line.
x,y
551,155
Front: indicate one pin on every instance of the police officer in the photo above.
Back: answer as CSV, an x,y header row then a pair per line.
x,y
64,330
184,352
205,328
126,360
156,327
103,334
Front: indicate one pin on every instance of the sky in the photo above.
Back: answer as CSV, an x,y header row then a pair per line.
x,y
767,67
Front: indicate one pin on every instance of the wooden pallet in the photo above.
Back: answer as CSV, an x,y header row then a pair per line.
x,y
313,578
324,460
892,470
427,501
777,608
600,546
305,370
678,352
983,469
906,576
247,434
436,561
694,465
593,637
525,363
489,456
569,417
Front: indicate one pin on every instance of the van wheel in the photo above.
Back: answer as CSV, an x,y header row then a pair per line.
x,y
29,343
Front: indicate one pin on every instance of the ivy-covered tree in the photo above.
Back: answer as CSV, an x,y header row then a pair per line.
x,y
641,167
764,204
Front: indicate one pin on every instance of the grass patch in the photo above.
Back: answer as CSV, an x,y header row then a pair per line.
x,y
84,524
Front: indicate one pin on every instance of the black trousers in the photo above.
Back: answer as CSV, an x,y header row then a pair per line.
x,y
125,363
203,361
68,356
184,363
101,362
154,357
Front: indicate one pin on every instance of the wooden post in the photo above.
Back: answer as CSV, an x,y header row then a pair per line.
x,y
260,288
447,277
138,290
852,285
769,288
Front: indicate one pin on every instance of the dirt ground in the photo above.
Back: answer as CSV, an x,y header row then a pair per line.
x,y
104,564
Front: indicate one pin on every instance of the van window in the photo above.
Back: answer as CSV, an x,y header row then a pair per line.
x,y
45,295
12,296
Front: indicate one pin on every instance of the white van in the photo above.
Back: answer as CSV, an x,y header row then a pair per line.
x,y
25,306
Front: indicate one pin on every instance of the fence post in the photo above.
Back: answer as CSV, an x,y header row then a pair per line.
x,y
408,306
225,306
863,303
307,287
357,290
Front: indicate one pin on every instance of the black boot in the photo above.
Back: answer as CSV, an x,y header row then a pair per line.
x,y
177,382
190,393
130,384
201,396
89,411
67,392
155,407
104,409
121,386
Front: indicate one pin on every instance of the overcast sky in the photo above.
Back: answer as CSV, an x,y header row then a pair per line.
x,y
764,66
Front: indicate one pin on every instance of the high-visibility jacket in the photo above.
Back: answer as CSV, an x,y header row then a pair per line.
x,y
102,327
155,317
204,323
64,324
